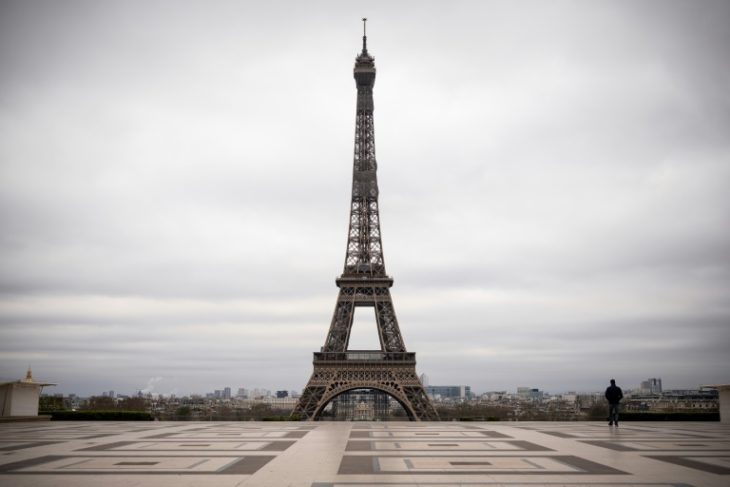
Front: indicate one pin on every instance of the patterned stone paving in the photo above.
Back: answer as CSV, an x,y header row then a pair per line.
x,y
364,454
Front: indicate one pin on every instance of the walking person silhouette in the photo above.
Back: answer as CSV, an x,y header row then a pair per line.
x,y
613,396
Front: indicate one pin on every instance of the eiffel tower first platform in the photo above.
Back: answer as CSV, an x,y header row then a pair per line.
x,y
364,283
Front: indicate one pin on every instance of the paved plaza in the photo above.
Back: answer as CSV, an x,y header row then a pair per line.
x,y
363,454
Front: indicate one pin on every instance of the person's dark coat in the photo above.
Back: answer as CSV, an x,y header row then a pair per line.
x,y
614,394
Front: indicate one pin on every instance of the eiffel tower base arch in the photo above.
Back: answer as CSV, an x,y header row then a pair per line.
x,y
393,373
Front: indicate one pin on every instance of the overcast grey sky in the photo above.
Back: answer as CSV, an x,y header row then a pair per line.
x,y
175,178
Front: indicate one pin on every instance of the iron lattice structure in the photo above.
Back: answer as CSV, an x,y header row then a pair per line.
x,y
364,283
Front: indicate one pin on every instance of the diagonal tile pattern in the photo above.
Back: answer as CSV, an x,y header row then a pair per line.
x,y
364,454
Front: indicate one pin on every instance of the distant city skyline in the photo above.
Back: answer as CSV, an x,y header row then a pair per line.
x,y
651,385
175,181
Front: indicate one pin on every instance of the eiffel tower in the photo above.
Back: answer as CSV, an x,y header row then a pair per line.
x,y
364,283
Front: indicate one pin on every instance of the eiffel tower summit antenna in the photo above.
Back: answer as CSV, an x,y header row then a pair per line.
x,y
364,283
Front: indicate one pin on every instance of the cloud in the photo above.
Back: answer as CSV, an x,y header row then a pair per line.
x,y
174,189
150,385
